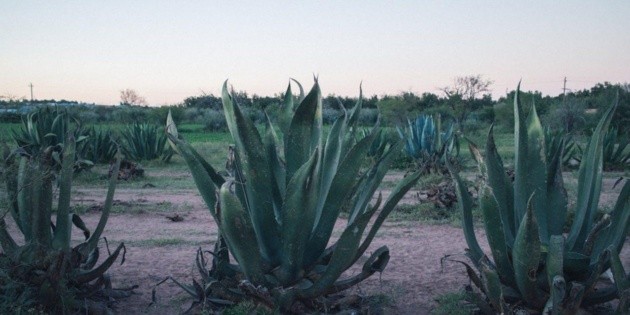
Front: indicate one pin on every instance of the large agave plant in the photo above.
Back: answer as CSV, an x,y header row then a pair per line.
x,y
534,262
428,144
40,269
278,211
143,141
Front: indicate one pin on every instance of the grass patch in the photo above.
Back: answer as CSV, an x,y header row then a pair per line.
x,y
160,242
453,304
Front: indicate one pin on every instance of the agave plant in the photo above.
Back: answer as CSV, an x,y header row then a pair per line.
x,y
616,150
47,127
534,263
571,152
278,211
100,146
143,141
41,269
428,144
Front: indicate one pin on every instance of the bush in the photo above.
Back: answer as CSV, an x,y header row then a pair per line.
x,y
214,120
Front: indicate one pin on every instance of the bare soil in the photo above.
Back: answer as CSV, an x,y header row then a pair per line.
x,y
158,247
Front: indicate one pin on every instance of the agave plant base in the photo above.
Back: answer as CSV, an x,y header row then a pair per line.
x,y
222,286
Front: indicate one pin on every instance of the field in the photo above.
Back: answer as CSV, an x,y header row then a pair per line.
x,y
157,247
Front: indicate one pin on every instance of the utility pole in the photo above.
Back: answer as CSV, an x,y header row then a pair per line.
x,y
564,90
31,86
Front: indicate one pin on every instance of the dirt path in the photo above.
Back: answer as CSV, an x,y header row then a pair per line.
x,y
157,247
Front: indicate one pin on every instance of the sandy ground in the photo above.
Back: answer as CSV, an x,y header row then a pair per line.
x,y
158,247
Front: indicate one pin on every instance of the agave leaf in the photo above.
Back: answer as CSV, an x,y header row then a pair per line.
x,y
25,189
589,184
372,179
496,235
303,129
526,256
465,205
493,288
537,172
258,176
330,162
616,233
342,185
239,233
622,282
558,292
353,115
107,207
298,211
343,255
555,259
521,188
397,193
63,229
171,129
6,241
89,275
375,263
278,185
556,194
501,188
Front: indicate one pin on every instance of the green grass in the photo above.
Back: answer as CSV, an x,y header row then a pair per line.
x,y
161,242
453,304
6,131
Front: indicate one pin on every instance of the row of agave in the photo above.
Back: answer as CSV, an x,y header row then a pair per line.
x,y
277,209
535,262
49,126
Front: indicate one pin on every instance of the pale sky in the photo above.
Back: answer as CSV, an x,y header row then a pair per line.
x,y
169,50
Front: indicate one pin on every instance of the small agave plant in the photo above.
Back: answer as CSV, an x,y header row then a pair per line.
x,y
535,263
428,144
277,212
39,268
143,141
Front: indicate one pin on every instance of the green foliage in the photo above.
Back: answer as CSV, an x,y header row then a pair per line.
x,y
616,150
45,272
143,141
533,262
277,211
429,144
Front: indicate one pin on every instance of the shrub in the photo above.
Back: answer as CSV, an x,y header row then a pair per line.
x,y
214,120
276,219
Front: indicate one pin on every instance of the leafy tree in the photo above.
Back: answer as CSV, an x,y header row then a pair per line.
x,y
131,97
462,96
